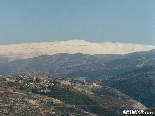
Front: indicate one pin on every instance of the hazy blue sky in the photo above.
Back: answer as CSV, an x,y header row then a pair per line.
x,y
127,21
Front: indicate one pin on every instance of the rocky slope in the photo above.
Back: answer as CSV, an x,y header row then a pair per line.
x,y
44,96
15,102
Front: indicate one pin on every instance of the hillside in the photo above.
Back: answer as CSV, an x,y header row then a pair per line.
x,y
17,102
41,95
138,84
79,65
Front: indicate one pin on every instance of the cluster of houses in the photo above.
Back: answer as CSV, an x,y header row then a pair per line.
x,y
43,83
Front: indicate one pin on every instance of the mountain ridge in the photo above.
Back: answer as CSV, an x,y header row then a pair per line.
x,y
78,65
30,50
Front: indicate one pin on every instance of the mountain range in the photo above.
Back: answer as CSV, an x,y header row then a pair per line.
x,y
116,74
30,50
78,65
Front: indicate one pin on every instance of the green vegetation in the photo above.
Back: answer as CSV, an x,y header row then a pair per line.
x,y
138,84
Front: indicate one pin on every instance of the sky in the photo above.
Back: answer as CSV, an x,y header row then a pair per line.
x,y
99,21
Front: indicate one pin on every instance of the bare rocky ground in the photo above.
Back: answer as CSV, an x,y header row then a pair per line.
x,y
15,102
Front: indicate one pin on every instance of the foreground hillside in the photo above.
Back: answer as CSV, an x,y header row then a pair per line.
x,y
40,95
14,102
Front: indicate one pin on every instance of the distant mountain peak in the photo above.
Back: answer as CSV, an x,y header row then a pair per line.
x,y
29,50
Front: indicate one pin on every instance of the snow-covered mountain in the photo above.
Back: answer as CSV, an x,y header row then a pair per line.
x,y
29,50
